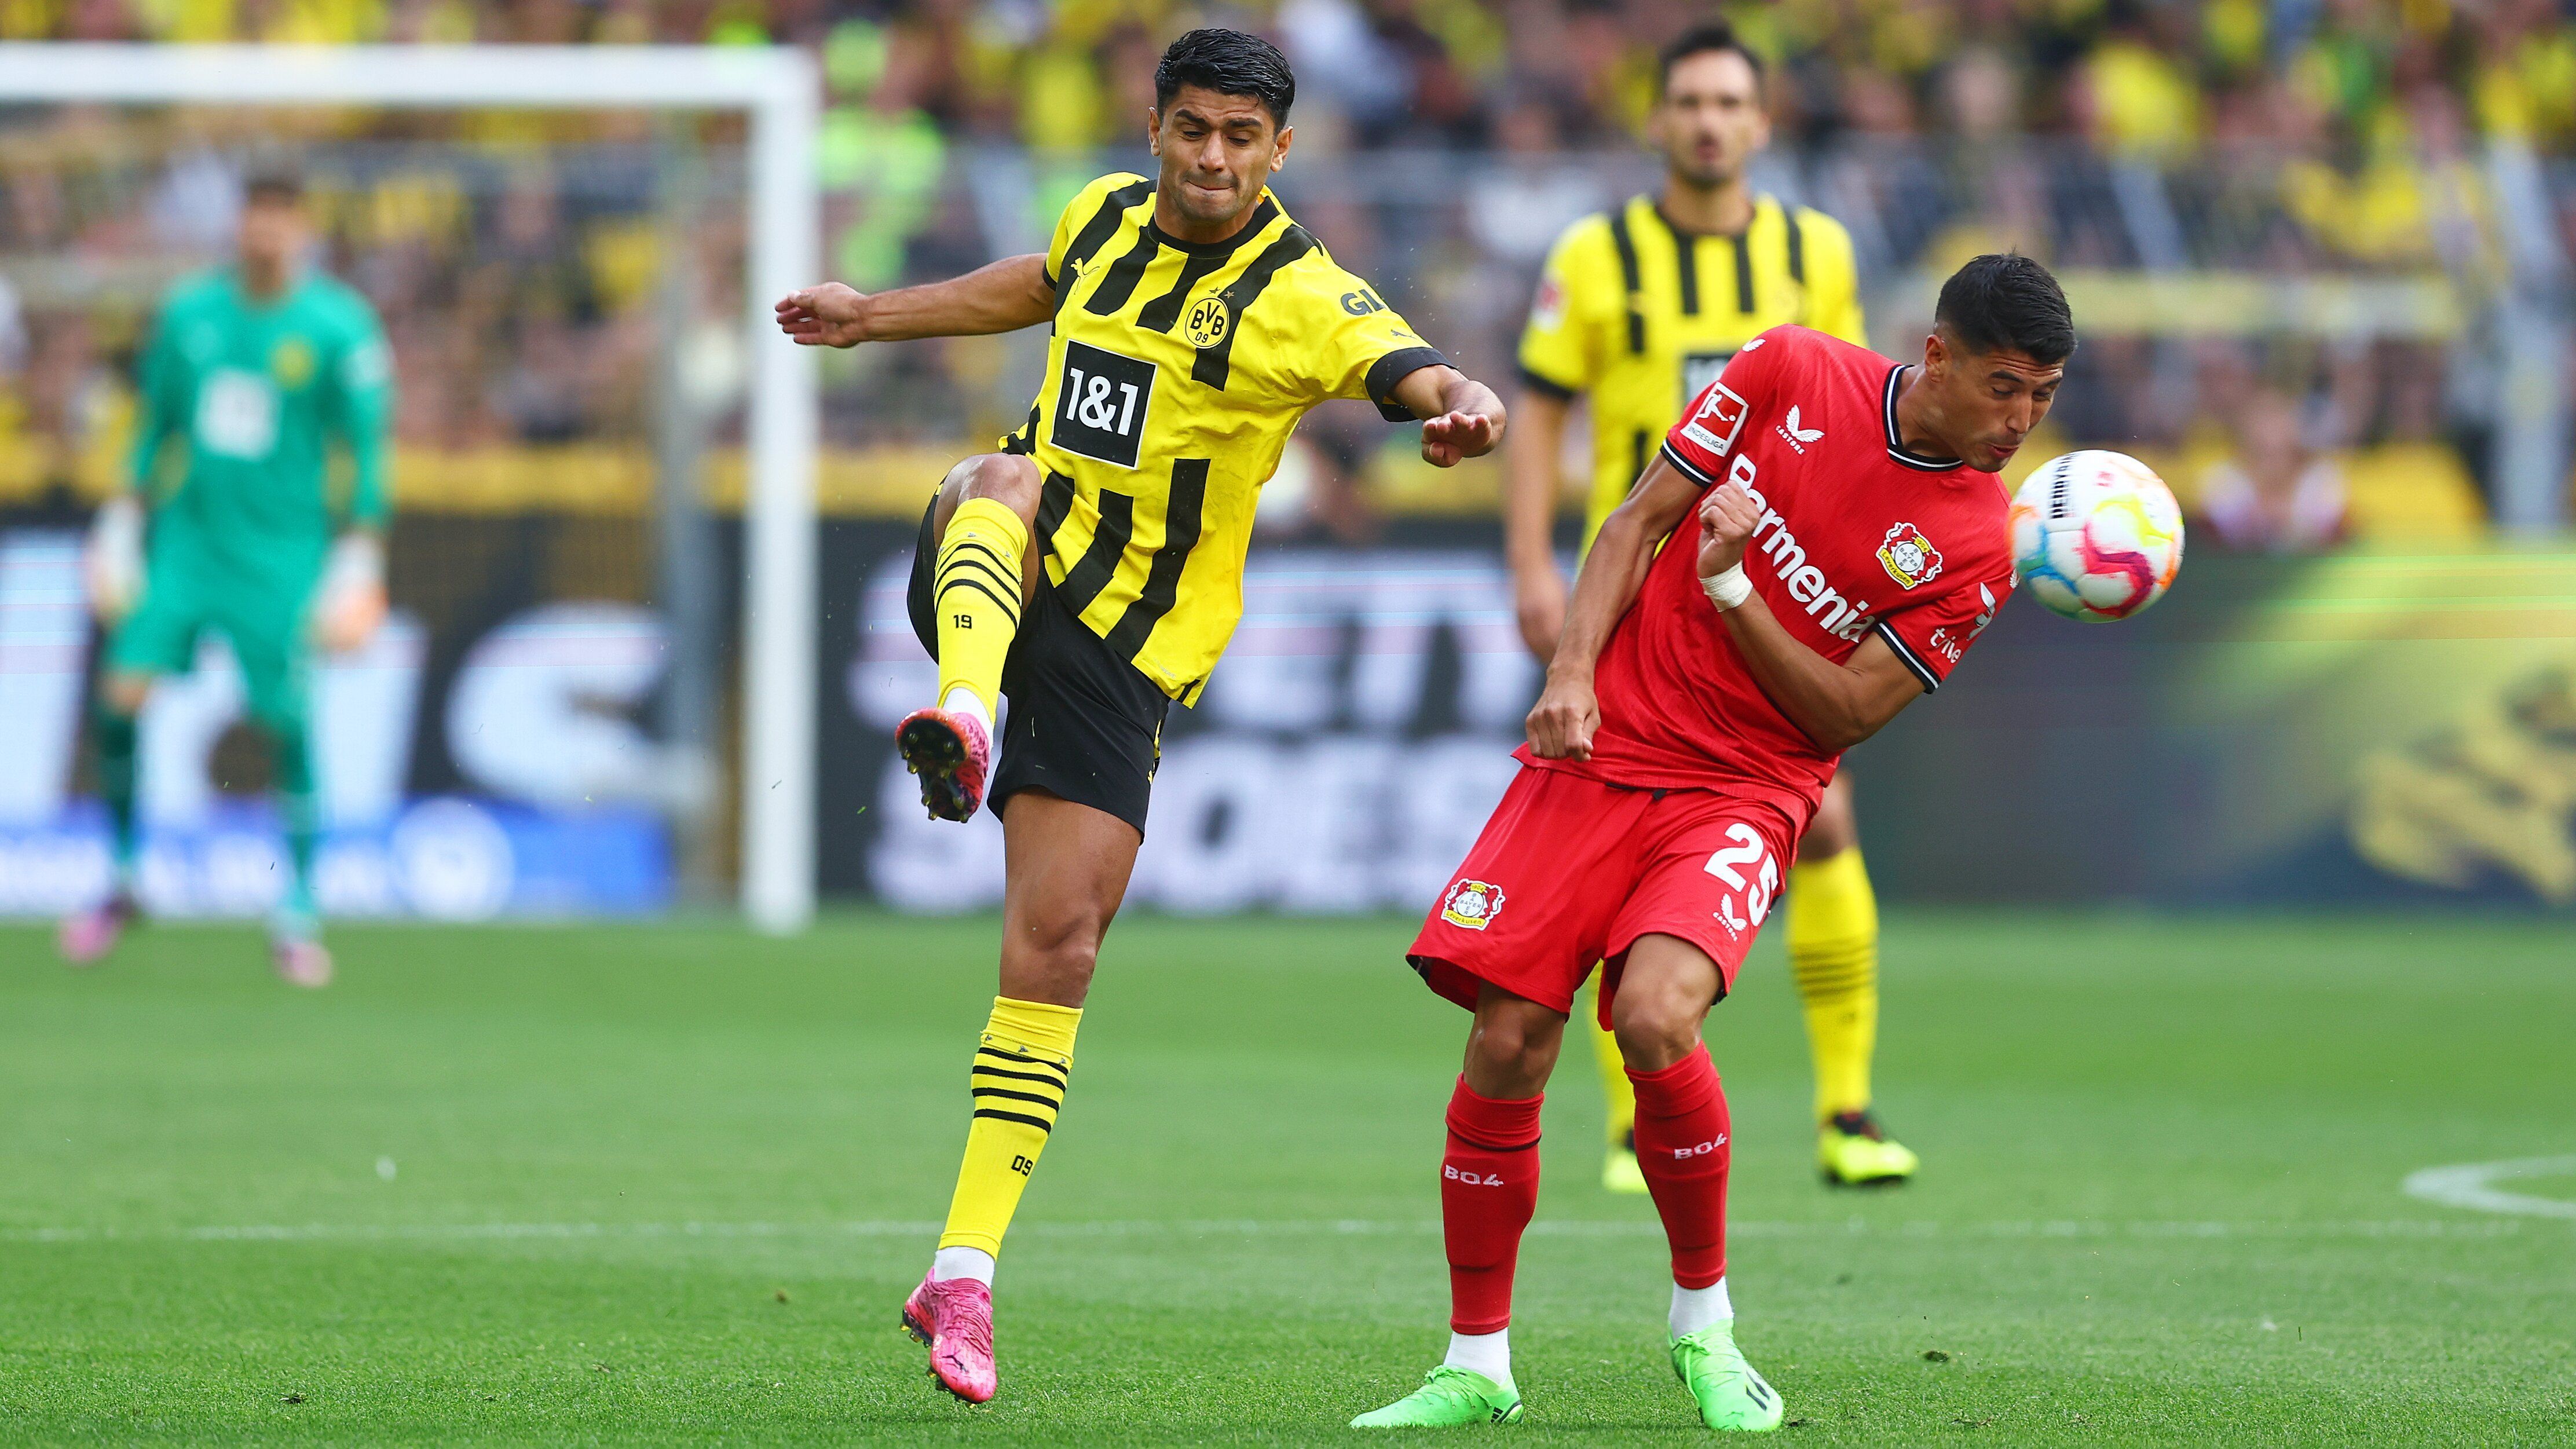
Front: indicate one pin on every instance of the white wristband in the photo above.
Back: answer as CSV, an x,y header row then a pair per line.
x,y
1729,589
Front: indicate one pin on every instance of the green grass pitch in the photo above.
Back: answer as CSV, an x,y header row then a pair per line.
x,y
670,1184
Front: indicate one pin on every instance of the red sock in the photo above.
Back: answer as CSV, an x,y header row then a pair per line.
x,y
1682,1149
1488,1189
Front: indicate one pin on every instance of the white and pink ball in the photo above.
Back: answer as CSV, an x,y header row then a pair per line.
x,y
2096,535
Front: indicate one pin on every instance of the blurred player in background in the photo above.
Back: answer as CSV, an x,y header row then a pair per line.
x,y
256,371
1639,310
1850,545
1093,570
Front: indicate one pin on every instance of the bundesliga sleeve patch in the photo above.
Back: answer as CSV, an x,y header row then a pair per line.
x,y
1547,313
1472,904
1909,557
1717,420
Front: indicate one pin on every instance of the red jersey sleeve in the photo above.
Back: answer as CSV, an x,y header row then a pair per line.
x,y
1929,635
1713,422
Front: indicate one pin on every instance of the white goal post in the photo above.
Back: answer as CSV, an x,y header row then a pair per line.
x,y
779,88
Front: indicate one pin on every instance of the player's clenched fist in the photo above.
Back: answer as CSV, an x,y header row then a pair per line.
x,y
1727,519
831,315
1562,722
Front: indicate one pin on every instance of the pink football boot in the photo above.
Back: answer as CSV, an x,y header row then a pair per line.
x,y
86,938
953,755
955,1317
301,961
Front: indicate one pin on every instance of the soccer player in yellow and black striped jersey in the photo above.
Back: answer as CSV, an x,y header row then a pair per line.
x,y
1092,570
1637,310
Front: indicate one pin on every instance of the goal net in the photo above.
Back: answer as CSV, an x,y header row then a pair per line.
x,y
595,692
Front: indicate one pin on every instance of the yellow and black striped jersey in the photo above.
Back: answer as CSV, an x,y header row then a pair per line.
x,y
1642,315
1176,372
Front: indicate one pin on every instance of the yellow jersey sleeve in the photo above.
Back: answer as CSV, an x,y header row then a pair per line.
x,y
1833,278
1353,344
1562,346
1095,208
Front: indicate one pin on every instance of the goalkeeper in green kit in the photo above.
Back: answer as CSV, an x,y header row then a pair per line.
x,y
232,525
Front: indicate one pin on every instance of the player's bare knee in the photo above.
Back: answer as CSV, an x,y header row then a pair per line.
x,y
1051,956
1655,1026
1827,838
1006,478
1512,1048
1836,827
1069,957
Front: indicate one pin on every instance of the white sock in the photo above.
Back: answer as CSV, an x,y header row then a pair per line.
x,y
962,700
1489,1354
972,1263
1698,1308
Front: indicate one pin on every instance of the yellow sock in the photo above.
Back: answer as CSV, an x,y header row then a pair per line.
x,y
1019,1077
1833,952
977,598
1614,1080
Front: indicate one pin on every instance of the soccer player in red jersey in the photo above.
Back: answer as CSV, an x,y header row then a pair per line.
x,y
1849,544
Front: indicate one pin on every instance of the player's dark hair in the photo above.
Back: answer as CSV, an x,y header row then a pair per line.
x,y
1229,63
273,181
2004,300
1709,37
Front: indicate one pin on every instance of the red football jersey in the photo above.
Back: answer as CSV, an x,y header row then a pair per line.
x,y
1858,537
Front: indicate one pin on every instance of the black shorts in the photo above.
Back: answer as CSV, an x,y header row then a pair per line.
x,y
1083,724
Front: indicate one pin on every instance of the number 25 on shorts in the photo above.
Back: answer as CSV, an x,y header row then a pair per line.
x,y
1748,850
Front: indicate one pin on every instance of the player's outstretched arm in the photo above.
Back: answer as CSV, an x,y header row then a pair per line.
x,y
1529,520
1836,705
1004,297
1567,712
1461,417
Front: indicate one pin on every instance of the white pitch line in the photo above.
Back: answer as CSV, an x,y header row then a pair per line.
x,y
2472,1185
2088,1228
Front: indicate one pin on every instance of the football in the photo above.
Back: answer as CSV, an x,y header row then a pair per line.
x,y
2097,535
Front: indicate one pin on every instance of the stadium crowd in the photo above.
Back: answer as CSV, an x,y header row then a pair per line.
x,y
1440,145
2146,76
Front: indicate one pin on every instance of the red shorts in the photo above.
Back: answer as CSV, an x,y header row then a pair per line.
x,y
1571,871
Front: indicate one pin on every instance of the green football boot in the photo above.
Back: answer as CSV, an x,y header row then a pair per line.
x,y
1855,1152
1450,1398
1729,1393
1619,1170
